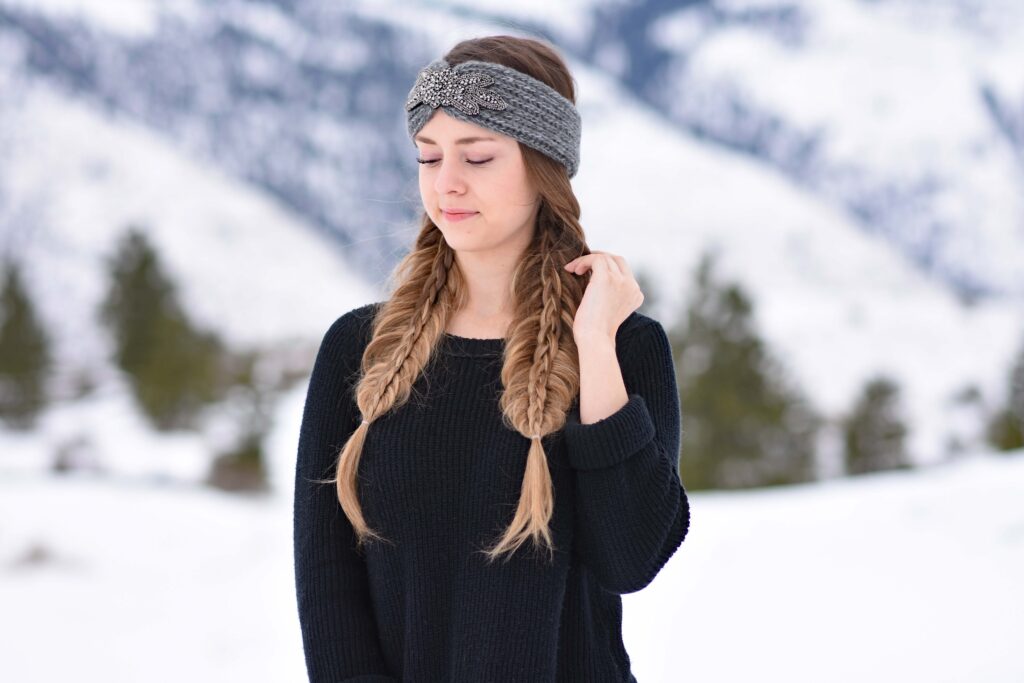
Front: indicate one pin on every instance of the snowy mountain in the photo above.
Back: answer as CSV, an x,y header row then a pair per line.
x,y
244,265
261,146
907,116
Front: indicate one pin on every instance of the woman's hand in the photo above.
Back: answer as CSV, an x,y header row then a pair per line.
x,y
611,295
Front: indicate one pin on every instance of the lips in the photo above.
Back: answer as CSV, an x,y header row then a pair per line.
x,y
454,217
457,212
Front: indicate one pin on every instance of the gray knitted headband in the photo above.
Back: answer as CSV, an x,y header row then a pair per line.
x,y
500,98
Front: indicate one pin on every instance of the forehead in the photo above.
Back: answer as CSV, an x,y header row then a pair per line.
x,y
444,129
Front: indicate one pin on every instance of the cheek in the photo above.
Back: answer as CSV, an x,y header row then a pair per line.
x,y
520,186
511,189
427,195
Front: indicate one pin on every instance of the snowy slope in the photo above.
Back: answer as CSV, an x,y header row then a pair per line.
x,y
901,113
837,303
907,115
244,265
890,578
279,96
130,18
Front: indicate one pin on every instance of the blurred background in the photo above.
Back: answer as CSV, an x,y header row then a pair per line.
x,y
823,201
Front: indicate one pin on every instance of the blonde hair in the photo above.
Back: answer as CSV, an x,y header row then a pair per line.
x,y
540,367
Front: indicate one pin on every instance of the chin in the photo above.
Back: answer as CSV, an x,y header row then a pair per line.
x,y
461,243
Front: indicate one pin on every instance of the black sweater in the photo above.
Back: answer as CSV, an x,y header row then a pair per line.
x,y
441,477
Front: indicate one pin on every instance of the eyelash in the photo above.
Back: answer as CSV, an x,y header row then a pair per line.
x,y
430,162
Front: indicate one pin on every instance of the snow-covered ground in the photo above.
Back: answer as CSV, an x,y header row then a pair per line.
x,y
909,576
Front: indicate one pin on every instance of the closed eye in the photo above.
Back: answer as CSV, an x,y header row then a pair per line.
x,y
430,162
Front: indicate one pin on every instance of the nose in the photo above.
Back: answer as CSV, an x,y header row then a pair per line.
x,y
448,178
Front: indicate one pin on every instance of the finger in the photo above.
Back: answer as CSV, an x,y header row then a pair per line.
x,y
581,263
579,260
583,256
623,266
613,264
602,264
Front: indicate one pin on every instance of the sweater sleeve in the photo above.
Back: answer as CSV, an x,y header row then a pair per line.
x,y
632,511
339,631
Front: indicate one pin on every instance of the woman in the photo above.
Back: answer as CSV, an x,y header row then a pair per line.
x,y
514,422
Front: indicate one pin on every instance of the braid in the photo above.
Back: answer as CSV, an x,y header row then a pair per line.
x,y
547,337
400,374
540,380
405,332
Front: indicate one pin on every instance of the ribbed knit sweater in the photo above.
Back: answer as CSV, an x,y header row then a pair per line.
x,y
441,477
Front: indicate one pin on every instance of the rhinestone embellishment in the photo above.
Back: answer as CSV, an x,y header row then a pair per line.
x,y
464,91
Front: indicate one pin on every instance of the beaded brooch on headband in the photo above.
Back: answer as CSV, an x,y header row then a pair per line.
x,y
464,91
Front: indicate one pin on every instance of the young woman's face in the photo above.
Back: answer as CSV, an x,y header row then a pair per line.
x,y
486,177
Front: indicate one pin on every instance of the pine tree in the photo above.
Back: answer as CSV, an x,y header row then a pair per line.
x,y
874,433
242,466
25,356
174,369
742,425
965,421
1006,430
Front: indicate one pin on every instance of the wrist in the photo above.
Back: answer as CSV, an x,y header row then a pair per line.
x,y
593,339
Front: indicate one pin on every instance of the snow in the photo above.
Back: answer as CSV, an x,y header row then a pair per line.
x,y
895,90
130,18
836,304
885,577
910,576
244,264
569,19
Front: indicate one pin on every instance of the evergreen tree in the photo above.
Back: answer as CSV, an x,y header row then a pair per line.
x,y
173,368
1006,430
25,356
242,467
965,422
742,425
874,433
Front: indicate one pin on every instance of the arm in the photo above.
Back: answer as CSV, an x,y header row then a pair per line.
x,y
339,633
632,512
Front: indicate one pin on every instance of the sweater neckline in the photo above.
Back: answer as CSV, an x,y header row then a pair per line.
x,y
473,346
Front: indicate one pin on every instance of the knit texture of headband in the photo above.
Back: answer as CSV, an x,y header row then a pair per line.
x,y
500,98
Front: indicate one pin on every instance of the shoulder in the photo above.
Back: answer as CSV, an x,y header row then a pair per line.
x,y
642,345
638,327
357,320
350,331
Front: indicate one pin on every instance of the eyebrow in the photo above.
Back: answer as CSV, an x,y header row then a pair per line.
x,y
460,141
